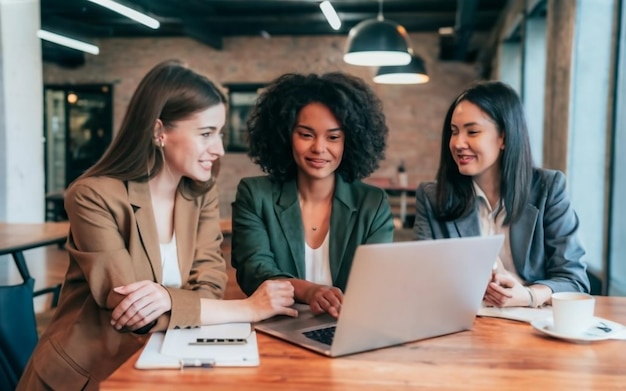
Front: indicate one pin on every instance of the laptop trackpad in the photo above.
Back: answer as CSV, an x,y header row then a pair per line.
x,y
285,325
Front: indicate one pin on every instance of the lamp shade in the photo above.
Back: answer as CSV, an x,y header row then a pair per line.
x,y
377,42
412,73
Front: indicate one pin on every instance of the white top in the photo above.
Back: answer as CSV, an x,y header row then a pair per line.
x,y
169,263
317,263
491,224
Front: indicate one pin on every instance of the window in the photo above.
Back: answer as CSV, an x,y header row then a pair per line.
x,y
241,98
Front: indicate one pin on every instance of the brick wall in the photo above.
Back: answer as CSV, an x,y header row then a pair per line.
x,y
414,113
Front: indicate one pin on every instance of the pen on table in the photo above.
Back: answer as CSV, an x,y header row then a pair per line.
x,y
219,341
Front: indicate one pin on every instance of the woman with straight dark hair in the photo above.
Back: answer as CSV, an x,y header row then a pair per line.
x,y
487,185
144,240
316,136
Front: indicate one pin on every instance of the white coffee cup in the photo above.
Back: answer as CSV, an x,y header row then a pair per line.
x,y
572,312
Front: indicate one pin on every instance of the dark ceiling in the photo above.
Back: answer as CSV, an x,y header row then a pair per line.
x,y
209,21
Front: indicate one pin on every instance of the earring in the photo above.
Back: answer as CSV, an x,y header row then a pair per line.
x,y
161,143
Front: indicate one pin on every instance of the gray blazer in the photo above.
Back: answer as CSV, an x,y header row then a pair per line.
x,y
268,238
544,242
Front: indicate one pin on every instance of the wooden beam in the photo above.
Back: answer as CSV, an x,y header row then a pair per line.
x,y
561,18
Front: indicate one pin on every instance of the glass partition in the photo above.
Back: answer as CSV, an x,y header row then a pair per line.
x,y
77,129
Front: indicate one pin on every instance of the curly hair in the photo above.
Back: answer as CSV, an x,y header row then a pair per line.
x,y
354,104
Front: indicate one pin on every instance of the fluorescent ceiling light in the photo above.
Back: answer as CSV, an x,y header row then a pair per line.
x,y
129,13
69,42
330,14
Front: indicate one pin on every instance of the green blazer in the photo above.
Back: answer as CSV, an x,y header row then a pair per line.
x,y
268,235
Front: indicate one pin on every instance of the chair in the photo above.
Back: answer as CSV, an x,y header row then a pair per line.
x,y
595,282
18,325
18,331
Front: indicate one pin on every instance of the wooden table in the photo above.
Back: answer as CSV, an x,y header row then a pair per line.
x,y
15,238
497,354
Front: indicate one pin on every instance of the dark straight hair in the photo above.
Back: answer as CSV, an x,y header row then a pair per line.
x,y
170,92
455,193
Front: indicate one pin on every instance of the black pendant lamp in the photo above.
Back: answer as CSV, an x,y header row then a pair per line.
x,y
412,73
377,42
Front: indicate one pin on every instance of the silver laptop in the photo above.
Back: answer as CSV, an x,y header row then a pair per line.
x,y
397,293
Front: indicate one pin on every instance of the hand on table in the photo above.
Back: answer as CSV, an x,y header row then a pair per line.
x,y
504,290
144,302
271,298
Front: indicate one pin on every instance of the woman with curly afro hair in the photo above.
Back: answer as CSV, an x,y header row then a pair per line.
x,y
316,136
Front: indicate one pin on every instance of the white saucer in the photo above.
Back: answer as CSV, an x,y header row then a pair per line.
x,y
602,329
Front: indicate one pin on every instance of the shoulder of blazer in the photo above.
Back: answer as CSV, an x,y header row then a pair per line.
x,y
428,190
261,192
100,183
108,189
210,196
355,193
545,174
257,182
259,188
544,181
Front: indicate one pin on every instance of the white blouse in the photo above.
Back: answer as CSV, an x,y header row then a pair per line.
x,y
169,263
491,223
317,263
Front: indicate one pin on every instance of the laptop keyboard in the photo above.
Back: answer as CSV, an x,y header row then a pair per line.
x,y
324,335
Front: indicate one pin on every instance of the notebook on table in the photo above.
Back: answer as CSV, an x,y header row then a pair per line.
x,y
396,293
224,345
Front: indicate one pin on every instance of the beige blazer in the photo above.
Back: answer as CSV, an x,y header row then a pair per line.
x,y
113,241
